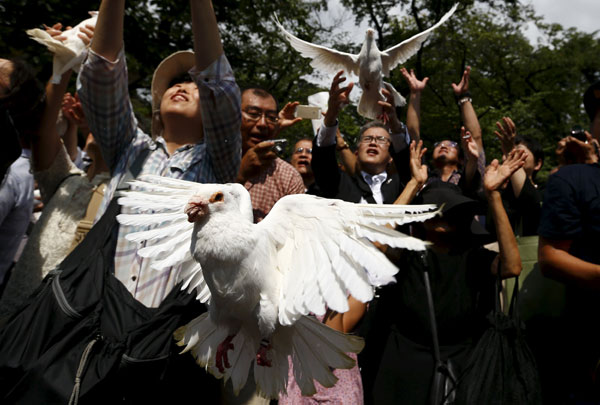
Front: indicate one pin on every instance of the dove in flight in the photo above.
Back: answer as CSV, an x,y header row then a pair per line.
x,y
262,280
69,53
370,65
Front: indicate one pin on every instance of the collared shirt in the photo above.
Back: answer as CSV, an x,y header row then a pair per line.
x,y
278,180
374,181
16,207
102,88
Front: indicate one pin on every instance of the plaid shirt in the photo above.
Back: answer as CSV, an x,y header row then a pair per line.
x,y
278,180
102,88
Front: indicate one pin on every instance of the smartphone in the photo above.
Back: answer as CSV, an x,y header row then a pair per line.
x,y
308,112
279,146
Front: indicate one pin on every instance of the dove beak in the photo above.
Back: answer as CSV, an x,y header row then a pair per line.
x,y
196,208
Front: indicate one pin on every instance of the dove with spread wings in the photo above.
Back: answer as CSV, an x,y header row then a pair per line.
x,y
370,65
260,281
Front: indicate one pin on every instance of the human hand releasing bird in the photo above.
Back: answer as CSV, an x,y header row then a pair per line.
x,y
69,49
370,65
261,280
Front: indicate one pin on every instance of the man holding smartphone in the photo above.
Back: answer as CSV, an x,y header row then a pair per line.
x,y
266,177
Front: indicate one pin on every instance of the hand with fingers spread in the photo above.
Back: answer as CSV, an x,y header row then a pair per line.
x,y
415,85
73,111
287,116
339,97
507,131
463,86
496,174
417,169
389,117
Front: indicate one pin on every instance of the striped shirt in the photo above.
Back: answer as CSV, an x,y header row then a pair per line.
x,y
102,88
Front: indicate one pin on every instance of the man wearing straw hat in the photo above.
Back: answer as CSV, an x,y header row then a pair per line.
x,y
195,124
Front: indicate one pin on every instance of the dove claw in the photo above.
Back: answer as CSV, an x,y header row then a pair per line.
x,y
261,355
221,357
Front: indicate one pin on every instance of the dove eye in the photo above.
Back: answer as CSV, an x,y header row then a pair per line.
x,y
216,197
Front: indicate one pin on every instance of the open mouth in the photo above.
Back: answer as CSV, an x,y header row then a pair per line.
x,y
179,97
372,152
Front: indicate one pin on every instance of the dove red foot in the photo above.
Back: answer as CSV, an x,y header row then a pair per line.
x,y
260,281
221,357
261,355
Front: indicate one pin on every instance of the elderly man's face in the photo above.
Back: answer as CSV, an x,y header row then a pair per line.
x,y
302,157
373,150
259,119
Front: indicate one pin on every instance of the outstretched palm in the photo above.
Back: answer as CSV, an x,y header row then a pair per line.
x,y
497,174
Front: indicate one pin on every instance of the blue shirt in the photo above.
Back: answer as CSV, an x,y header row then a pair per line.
x,y
16,206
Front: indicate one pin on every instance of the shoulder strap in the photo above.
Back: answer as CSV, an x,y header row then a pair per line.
x,y
134,170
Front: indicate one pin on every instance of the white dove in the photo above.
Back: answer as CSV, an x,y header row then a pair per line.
x,y
261,280
69,53
370,65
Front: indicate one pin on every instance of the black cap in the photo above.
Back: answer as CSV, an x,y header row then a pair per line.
x,y
455,204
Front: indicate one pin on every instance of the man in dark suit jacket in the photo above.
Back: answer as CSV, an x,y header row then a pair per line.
x,y
379,145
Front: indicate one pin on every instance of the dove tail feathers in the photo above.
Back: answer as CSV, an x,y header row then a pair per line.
x,y
313,348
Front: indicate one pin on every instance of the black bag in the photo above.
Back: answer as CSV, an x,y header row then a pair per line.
x,y
82,337
443,386
501,368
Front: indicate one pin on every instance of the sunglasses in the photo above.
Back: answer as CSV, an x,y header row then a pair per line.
x,y
448,144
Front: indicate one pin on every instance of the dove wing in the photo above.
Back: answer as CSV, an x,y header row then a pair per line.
x,y
325,252
400,53
155,204
325,59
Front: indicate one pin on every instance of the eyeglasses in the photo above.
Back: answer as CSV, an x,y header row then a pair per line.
x,y
254,114
300,150
379,139
447,144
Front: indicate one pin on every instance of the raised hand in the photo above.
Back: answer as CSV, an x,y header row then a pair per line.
x,y
255,159
469,145
72,110
496,174
388,115
462,87
414,84
571,150
287,116
339,97
507,131
417,169
56,32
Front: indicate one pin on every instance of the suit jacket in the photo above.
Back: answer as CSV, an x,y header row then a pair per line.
x,y
335,183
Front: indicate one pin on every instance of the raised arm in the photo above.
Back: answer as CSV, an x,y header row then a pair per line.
x,y
418,174
220,98
507,131
413,111
207,40
467,112
102,85
495,176
108,36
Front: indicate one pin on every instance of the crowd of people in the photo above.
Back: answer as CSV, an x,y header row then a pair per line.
x,y
66,157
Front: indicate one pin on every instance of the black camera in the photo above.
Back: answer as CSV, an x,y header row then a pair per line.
x,y
578,133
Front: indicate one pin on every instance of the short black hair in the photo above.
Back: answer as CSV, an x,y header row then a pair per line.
x,y
24,100
533,145
262,93
182,78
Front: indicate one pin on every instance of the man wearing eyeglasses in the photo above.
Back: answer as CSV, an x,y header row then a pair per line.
x,y
301,161
377,144
266,177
